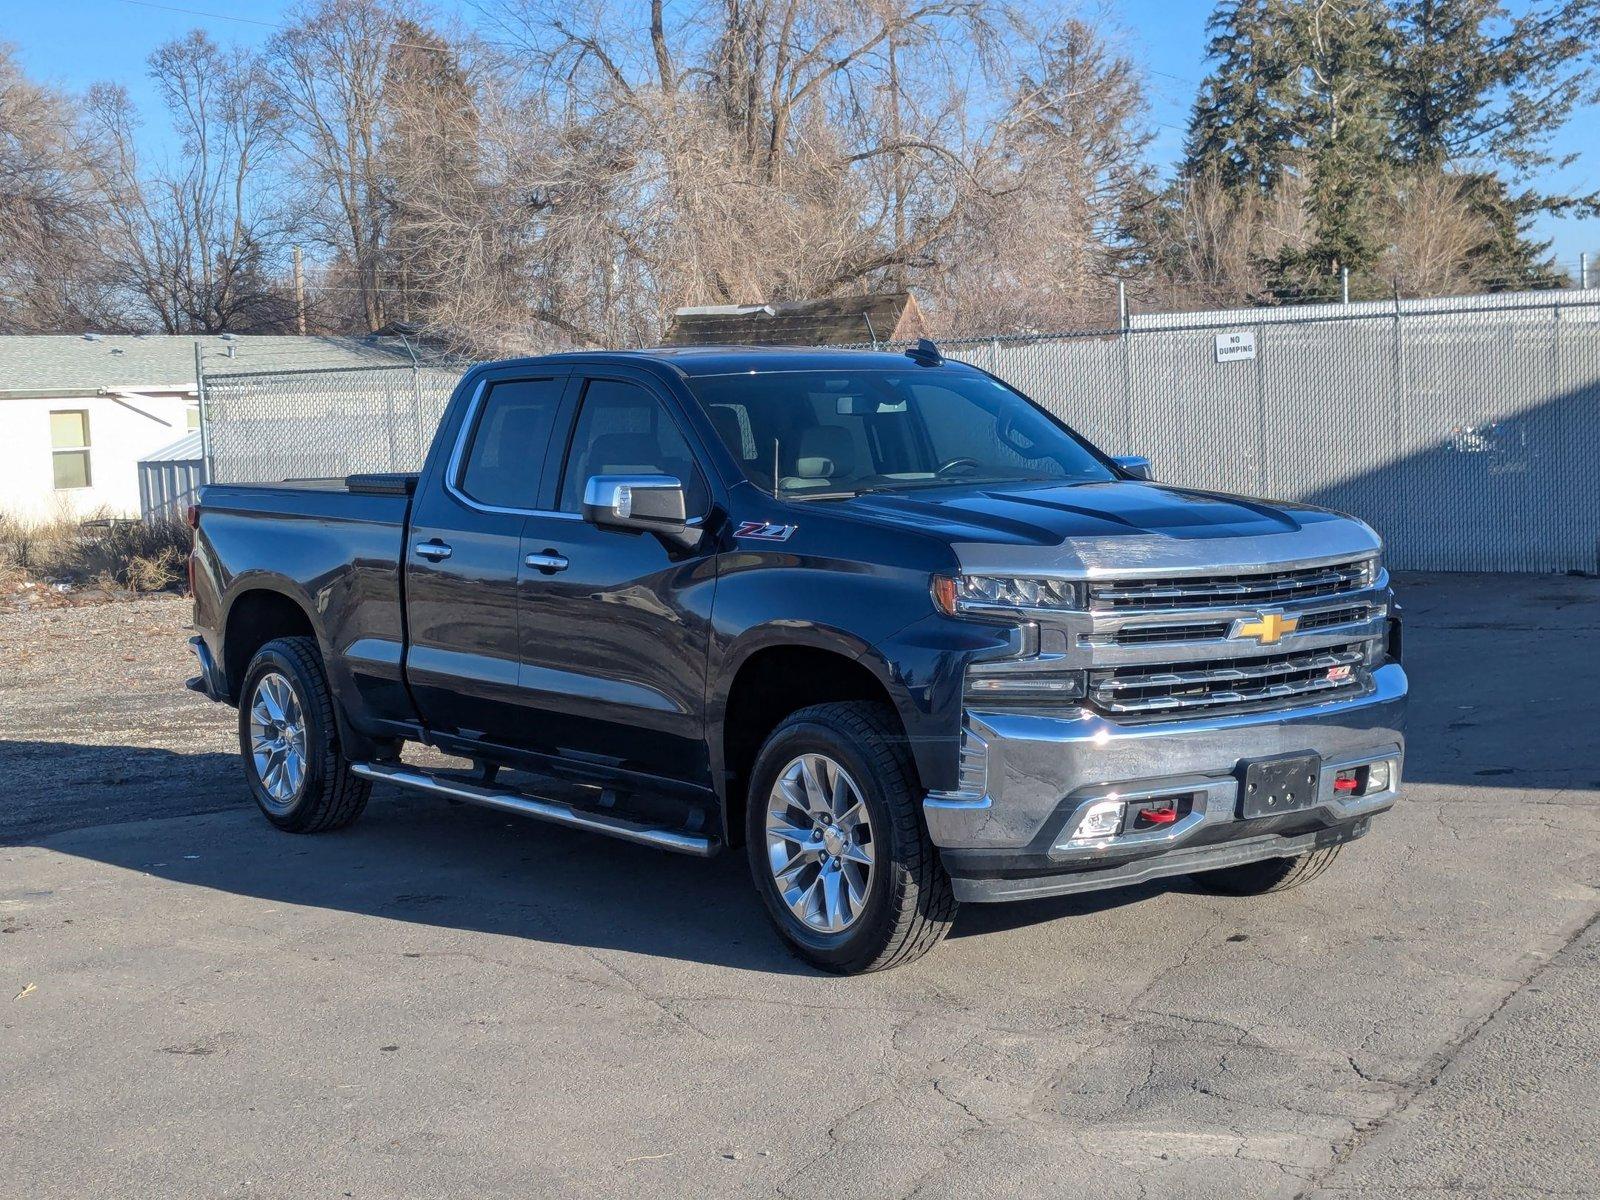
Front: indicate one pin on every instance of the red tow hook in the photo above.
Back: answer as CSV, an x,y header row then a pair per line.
x,y
1160,816
1345,783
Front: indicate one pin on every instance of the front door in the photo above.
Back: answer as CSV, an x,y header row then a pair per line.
x,y
464,559
615,625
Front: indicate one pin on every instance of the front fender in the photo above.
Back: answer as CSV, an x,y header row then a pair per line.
x,y
882,620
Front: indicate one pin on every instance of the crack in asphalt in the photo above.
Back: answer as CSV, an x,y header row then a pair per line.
x,y
1437,1064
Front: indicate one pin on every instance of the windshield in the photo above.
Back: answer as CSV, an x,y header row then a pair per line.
x,y
826,434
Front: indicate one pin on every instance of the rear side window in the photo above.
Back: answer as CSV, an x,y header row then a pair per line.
x,y
505,458
623,429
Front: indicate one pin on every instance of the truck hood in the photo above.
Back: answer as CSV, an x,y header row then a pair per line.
x,y
1115,528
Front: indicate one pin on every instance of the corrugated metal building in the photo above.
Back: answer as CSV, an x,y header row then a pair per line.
x,y
170,478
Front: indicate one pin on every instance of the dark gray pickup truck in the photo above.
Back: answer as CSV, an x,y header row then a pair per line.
x,y
877,618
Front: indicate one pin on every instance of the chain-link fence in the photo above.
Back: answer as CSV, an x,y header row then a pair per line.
x,y
318,424
1467,431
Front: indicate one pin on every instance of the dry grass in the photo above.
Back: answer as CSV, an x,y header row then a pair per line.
x,y
111,553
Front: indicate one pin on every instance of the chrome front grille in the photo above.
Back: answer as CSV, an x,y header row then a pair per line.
x,y
1284,637
1327,618
1233,684
1187,628
1144,635
1119,596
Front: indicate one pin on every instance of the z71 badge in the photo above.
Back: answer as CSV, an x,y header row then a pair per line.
x,y
765,531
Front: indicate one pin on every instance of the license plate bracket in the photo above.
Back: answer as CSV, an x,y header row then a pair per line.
x,y
1273,786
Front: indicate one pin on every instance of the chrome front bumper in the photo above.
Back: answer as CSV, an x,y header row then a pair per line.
x,y
1026,780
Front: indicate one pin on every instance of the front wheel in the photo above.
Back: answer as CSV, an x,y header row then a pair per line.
x,y
300,779
837,846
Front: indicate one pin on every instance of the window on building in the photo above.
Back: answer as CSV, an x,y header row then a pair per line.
x,y
192,418
69,448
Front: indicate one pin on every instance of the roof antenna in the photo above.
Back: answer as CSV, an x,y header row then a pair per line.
x,y
925,353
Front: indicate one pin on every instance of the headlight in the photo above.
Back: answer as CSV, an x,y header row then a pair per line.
x,y
957,594
1371,569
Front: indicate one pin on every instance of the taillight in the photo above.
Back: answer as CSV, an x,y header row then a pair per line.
x,y
191,518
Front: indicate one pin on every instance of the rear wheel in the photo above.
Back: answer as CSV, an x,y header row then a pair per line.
x,y
289,741
1268,875
837,846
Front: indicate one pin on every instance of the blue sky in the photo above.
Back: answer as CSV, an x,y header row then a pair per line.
x,y
76,42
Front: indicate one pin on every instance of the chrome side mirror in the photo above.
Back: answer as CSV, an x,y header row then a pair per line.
x,y
1136,465
639,504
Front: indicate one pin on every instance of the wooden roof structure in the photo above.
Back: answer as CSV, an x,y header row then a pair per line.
x,y
834,321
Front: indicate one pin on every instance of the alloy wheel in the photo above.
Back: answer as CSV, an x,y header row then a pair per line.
x,y
278,739
819,843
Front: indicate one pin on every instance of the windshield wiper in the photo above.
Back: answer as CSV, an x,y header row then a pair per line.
x,y
806,497
914,485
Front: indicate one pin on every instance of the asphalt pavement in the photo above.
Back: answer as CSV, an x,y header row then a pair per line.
x,y
443,1002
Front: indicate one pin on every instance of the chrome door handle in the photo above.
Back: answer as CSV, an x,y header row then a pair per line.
x,y
435,550
549,562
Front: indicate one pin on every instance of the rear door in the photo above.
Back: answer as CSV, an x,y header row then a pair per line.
x,y
464,557
615,625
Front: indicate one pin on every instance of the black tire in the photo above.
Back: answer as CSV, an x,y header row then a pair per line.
x,y
909,905
328,796
1268,875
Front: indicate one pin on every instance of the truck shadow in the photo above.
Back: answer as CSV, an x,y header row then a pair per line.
x,y
414,859
446,867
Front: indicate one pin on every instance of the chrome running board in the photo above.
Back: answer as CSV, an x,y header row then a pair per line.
x,y
508,800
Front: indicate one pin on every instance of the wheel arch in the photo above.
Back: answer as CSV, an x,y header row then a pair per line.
x,y
768,681
257,614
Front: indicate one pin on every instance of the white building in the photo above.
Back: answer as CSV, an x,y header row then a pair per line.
x,y
78,413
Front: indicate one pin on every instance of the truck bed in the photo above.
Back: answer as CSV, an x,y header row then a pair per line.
x,y
335,546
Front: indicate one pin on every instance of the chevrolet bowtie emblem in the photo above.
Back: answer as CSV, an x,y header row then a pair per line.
x,y
1267,628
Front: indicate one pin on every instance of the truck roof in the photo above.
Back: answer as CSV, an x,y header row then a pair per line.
x,y
730,360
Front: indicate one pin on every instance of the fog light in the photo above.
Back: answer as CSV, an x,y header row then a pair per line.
x,y
1103,819
1378,777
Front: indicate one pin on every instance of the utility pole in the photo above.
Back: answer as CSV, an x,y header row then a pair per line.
x,y
1583,270
1122,304
299,295
1344,284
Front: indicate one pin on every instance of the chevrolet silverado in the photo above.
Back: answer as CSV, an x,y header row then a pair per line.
x,y
877,618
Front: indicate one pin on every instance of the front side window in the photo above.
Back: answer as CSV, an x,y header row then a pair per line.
x,y
69,449
623,429
815,434
505,457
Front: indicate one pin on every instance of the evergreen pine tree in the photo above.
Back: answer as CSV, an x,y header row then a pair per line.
x,y
1243,127
1342,48
1473,84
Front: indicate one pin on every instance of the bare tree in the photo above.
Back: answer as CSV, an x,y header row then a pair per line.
x,y
1212,245
1061,188
194,239
327,71
463,147
750,149
51,275
1435,234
